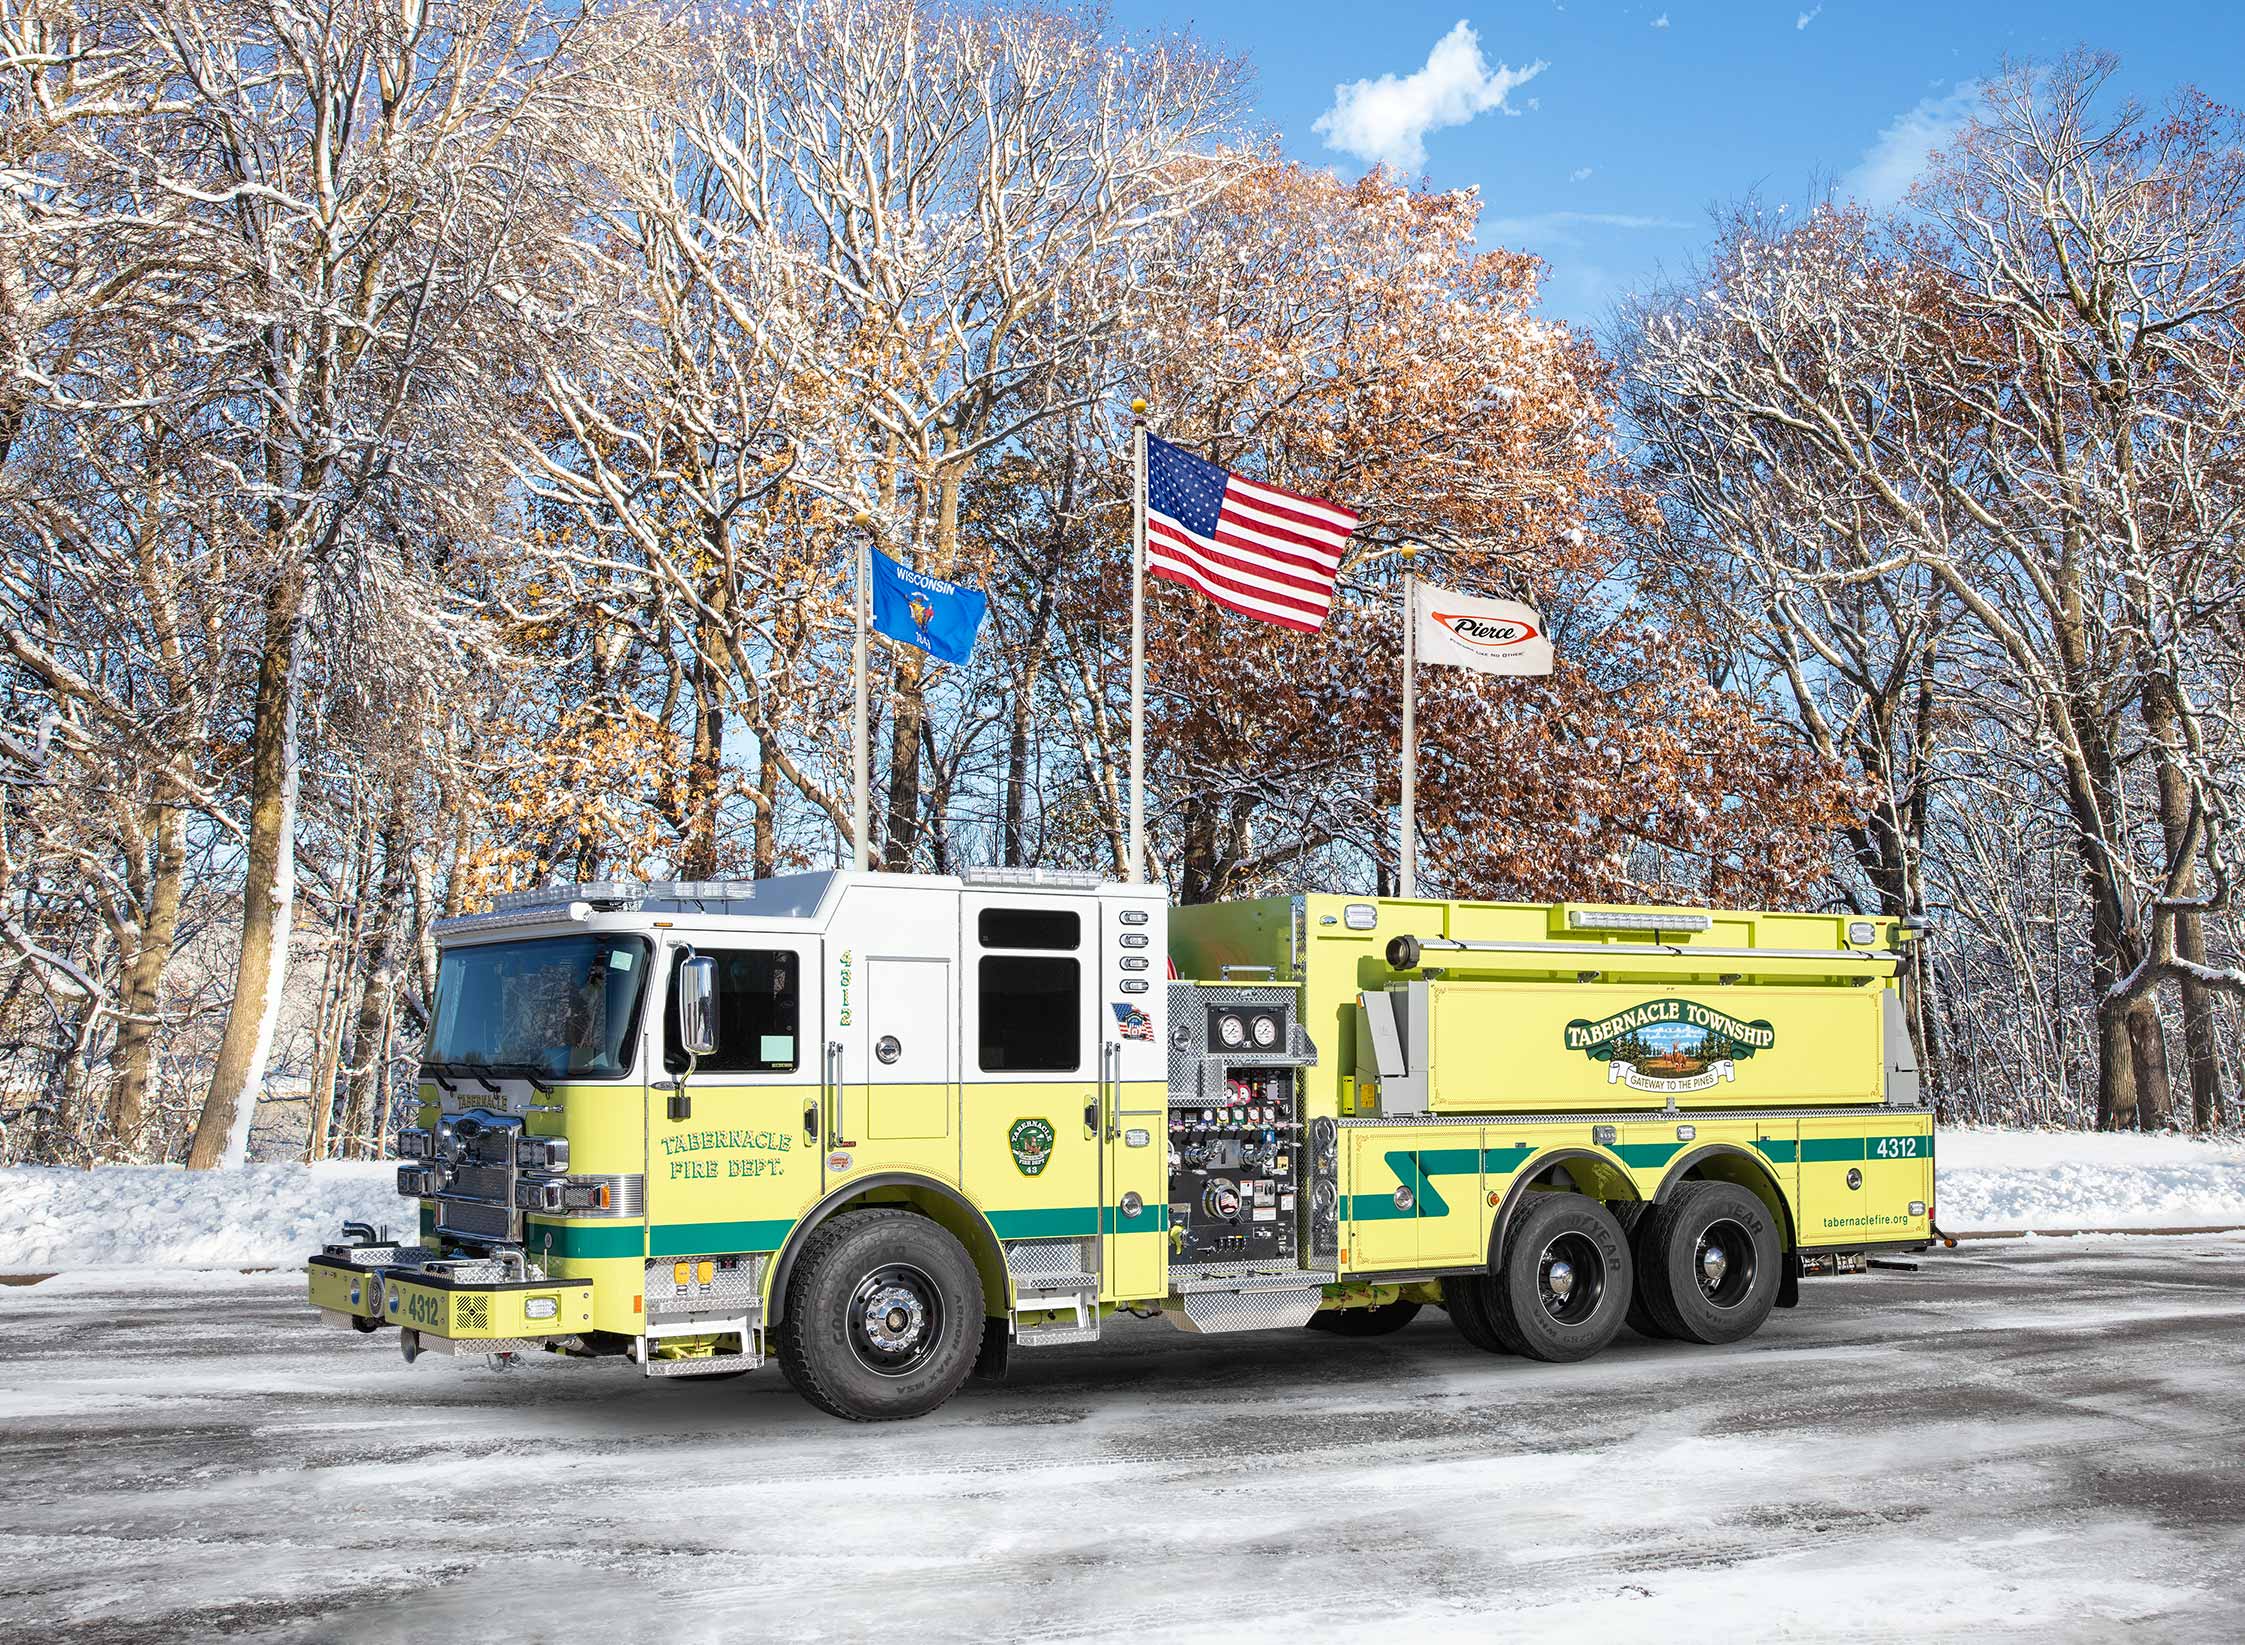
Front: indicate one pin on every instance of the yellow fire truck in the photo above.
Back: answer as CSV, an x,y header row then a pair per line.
x,y
890,1127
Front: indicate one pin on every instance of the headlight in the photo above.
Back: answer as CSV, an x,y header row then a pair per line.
x,y
541,1153
415,1143
541,1307
420,1181
543,1195
1266,1032
1231,1030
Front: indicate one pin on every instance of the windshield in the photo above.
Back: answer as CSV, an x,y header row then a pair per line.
x,y
548,1005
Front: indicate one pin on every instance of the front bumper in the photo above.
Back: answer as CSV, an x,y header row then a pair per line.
x,y
457,1305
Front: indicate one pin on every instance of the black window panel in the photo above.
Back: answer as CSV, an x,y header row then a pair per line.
x,y
758,1004
1031,1014
1054,928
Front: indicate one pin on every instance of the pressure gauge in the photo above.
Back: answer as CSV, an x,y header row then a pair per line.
x,y
1266,1032
1231,1030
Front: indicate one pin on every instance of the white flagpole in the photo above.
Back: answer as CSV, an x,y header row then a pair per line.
x,y
861,855
1409,878
1137,870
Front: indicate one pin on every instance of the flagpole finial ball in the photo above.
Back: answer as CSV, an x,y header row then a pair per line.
x,y
1138,408
1410,551
861,519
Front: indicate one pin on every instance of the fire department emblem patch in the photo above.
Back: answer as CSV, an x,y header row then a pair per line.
x,y
1031,1141
1132,1022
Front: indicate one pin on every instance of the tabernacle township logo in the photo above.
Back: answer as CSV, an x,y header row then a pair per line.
x,y
1031,1141
1669,1045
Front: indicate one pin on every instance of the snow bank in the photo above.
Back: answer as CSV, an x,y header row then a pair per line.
x,y
1993,1180
134,1215
274,1215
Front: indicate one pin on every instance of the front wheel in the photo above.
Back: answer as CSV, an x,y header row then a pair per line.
x,y
884,1317
1561,1287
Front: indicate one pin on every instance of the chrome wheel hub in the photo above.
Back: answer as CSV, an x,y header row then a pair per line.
x,y
1570,1278
894,1320
1723,1263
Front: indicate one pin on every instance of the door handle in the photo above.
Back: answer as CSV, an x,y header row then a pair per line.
x,y
834,1094
810,1118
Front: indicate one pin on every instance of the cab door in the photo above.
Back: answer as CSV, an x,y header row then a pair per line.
x,y
733,1155
1034,1145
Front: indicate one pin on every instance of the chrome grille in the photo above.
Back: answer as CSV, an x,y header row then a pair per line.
x,y
489,1182
475,1220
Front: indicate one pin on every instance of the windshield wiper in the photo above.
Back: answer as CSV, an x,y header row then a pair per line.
x,y
519,1070
437,1071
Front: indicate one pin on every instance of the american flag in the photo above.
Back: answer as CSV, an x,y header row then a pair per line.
x,y
1251,548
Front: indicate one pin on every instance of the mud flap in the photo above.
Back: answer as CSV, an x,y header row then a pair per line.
x,y
997,1350
1789,1282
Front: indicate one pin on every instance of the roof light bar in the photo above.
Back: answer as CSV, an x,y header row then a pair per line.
x,y
1060,879
1635,919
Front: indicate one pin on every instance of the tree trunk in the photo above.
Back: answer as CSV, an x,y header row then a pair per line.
x,y
135,1053
2200,1039
378,984
764,846
2116,1071
2147,1045
268,888
705,767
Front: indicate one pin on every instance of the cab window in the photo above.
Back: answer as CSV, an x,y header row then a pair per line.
x,y
1029,1007
758,1000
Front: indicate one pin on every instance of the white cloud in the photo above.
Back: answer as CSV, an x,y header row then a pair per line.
x,y
1581,174
1661,21
1890,165
1561,229
1386,120
1808,17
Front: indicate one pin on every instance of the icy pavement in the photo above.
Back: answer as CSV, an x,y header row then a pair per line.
x,y
2029,1441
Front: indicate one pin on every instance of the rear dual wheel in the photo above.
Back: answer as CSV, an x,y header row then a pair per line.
x,y
1708,1264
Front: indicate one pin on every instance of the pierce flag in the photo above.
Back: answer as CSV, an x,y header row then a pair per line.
x,y
1493,636
939,617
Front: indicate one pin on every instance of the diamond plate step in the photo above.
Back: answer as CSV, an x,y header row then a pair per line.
x,y
708,1367
1265,1308
1053,1336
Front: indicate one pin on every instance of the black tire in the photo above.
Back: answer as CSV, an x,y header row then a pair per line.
x,y
1561,1313
884,1317
1376,1321
1711,1260
1466,1296
1631,1215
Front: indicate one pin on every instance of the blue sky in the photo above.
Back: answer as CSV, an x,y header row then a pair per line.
x,y
1606,160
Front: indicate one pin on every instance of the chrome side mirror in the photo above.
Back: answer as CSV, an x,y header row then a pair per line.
x,y
697,1005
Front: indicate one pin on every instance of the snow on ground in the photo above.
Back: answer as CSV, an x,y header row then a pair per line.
x,y
1991,1180
274,1215
119,1216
